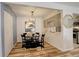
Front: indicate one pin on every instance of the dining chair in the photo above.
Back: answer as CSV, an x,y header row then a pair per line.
x,y
24,34
23,41
41,42
37,33
28,41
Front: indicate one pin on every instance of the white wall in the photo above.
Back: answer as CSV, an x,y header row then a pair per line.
x,y
67,33
8,32
0,33
21,26
0,39
68,38
39,25
55,39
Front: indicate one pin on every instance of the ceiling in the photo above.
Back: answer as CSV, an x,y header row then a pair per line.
x,y
21,10
74,4
24,10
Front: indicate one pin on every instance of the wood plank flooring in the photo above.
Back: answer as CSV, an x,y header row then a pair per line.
x,y
48,51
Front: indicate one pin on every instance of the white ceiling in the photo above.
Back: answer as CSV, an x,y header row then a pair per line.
x,y
74,4
24,10
21,10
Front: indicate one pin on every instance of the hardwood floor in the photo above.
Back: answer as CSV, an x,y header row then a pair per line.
x,y
48,51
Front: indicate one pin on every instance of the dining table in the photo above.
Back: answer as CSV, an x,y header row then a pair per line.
x,y
32,41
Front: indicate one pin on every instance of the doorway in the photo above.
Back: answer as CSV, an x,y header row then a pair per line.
x,y
76,31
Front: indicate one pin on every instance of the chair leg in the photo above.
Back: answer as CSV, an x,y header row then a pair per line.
x,y
43,44
41,47
22,46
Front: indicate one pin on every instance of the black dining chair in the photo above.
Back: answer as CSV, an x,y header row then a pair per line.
x,y
24,34
35,40
37,33
23,41
28,41
41,42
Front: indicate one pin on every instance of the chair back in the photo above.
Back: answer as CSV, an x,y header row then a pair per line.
x,y
28,38
42,37
24,34
35,37
37,33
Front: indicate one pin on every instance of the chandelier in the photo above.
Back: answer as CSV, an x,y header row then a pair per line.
x,y
30,23
31,18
